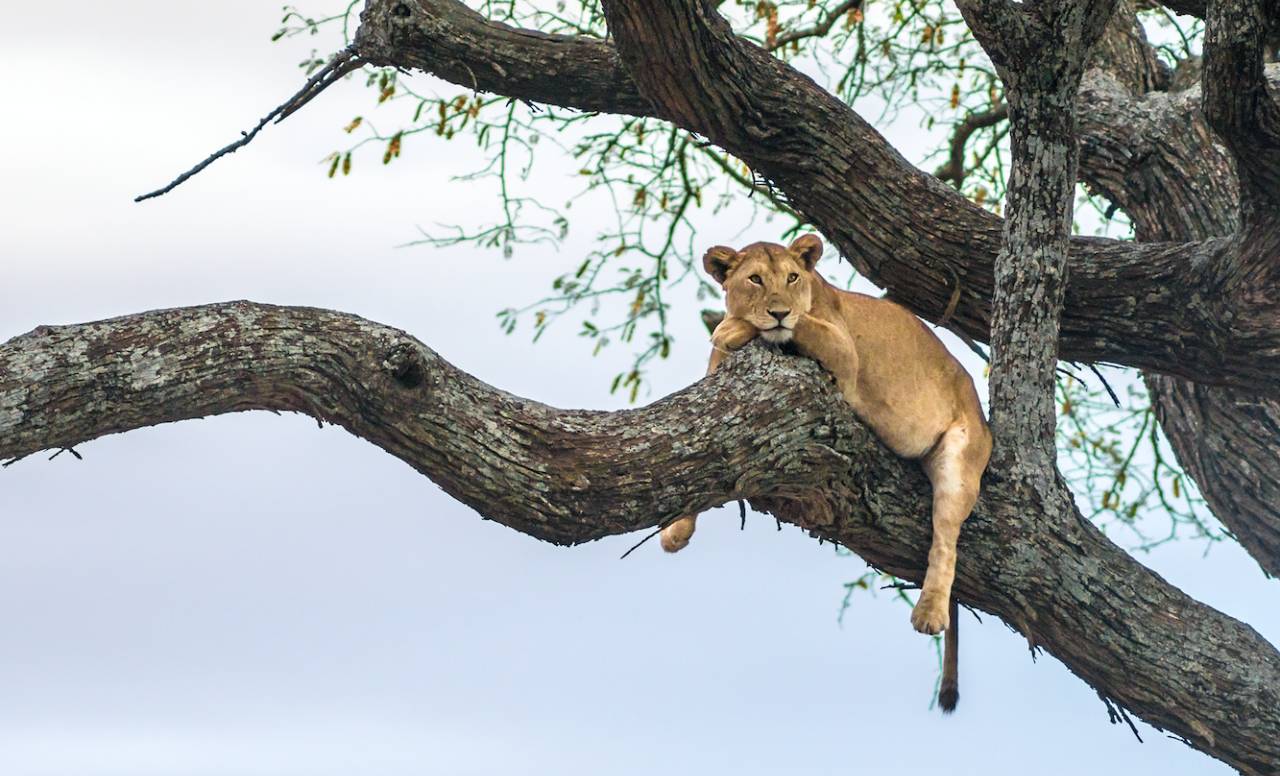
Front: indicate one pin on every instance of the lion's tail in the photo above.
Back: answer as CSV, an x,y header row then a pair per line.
x,y
949,692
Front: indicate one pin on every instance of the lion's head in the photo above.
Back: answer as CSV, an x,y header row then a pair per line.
x,y
768,285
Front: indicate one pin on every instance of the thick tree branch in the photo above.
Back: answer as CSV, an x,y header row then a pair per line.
x,y
1154,155
1226,440
1237,102
453,42
1124,53
573,476
1155,307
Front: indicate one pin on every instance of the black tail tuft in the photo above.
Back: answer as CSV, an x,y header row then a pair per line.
x,y
948,697
949,694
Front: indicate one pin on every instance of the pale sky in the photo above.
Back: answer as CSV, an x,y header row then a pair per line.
x,y
252,595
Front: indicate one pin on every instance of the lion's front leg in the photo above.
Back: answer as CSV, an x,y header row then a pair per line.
x,y
730,335
831,346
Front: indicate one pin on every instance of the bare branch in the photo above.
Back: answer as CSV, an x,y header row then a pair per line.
x,y
818,30
954,170
343,62
1040,51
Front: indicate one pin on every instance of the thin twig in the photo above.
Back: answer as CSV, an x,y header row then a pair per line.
x,y
818,30
954,170
1106,385
900,586
636,546
342,63
975,347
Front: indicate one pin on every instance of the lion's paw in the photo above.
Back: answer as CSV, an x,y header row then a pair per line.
x,y
930,614
675,537
732,334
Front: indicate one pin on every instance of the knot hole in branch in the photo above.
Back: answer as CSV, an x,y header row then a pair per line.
x,y
400,11
404,363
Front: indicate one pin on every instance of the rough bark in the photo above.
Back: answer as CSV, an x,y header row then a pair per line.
x,y
1237,103
572,476
1153,154
1157,307
1040,56
453,42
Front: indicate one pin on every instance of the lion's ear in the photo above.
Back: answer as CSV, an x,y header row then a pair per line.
x,y
719,262
808,249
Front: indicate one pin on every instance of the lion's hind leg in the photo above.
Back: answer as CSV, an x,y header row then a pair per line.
x,y
954,467
675,537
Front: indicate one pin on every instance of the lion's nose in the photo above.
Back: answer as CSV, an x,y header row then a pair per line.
x,y
780,315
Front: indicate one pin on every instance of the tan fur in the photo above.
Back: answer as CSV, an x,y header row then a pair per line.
x,y
891,369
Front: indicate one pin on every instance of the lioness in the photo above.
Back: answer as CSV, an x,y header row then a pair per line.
x,y
893,371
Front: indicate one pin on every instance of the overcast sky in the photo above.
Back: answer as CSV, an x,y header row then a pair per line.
x,y
252,595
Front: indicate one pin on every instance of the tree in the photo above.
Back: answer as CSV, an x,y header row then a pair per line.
x,y
1192,310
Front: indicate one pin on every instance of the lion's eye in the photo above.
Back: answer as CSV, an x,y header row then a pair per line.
x,y
756,279
793,277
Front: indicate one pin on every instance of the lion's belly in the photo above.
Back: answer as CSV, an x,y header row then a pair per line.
x,y
908,420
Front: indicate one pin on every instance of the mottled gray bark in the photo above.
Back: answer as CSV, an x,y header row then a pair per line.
x,y
1238,105
1153,154
572,476
1040,56
1137,305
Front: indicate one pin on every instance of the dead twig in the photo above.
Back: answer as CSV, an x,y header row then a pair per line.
x,y
342,63
637,545
1105,384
